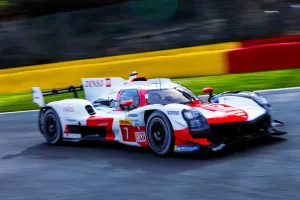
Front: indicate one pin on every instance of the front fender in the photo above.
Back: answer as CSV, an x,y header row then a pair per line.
x,y
174,113
240,98
252,102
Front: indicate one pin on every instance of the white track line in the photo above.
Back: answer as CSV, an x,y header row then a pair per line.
x,y
264,91
25,111
279,89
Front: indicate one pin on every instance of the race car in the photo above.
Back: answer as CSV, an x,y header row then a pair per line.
x,y
153,113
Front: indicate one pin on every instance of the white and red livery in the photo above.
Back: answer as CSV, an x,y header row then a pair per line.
x,y
155,113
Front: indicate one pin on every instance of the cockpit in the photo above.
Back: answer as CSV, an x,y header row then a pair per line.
x,y
178,95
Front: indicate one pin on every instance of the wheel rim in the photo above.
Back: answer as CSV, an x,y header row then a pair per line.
x,y
158,135
51,126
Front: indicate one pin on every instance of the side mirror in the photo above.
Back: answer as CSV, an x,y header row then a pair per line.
x,y
126,104
208,90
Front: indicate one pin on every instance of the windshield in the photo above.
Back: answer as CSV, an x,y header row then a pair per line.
x,y
170,95
189,92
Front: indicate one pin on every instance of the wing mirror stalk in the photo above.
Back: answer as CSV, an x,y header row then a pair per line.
x,y
126,104
208,90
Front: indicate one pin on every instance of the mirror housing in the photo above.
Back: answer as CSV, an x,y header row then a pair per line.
x,y
126,104
208,90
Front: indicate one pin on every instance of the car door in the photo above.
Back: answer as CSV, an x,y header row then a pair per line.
x,y
130,130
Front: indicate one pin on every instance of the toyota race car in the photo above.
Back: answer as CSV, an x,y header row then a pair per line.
x,y
156,113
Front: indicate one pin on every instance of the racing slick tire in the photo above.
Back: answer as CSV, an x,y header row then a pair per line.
x,y
159,133
51,127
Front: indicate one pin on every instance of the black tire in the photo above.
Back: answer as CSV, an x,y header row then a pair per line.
x,y
51,127
159,132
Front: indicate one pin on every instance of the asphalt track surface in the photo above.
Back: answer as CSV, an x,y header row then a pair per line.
x,y
33,170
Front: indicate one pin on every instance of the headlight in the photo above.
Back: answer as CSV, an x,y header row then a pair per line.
x,y
197,123
191,114
194,118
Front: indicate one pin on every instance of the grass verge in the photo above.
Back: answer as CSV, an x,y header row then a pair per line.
x,y
250,81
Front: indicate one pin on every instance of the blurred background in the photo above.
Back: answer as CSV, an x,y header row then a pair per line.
x,y
44,31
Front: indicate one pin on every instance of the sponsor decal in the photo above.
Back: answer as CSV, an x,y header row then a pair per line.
x,y
126,122
228,98
73,136
113,91
218,148
70,120
94,83
133,115
137,125
173,112
186,148
135,120
103,124
108,82
69,109
140,137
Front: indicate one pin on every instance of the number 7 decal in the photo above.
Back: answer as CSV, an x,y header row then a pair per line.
x,y
126,130
128,133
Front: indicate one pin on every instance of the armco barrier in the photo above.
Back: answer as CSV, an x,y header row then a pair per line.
x,y
212,47
183,65
265,57
284,39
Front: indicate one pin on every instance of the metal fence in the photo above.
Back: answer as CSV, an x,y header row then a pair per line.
x,y
139,26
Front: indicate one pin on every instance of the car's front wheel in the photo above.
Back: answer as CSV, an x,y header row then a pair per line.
x,y
159,133
51,127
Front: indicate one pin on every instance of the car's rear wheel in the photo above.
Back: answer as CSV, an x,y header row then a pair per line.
x,y
159,133
51,127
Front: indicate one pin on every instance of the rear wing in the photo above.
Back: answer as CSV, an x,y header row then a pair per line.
x,y
102,88
38,95
94,89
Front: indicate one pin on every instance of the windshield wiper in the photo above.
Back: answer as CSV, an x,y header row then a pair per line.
x,y
185,94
